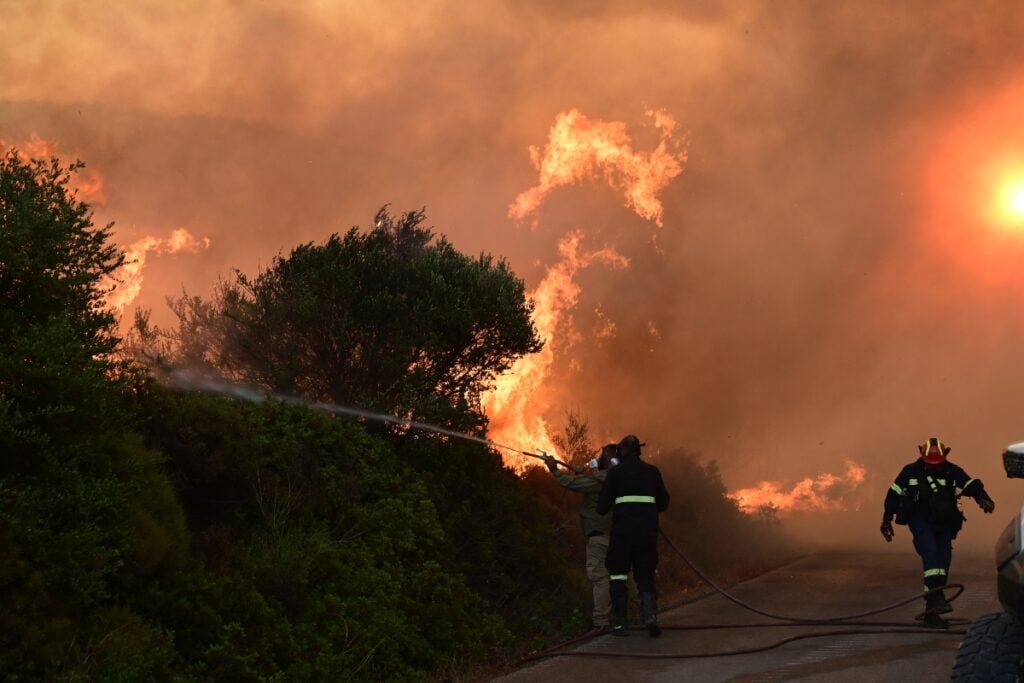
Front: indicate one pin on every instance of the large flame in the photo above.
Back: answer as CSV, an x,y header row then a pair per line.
x,y
824,493
579,148
86,182
516,405
129,277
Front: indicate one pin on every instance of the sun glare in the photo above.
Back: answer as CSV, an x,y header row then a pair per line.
x,y
1011,203
1017,201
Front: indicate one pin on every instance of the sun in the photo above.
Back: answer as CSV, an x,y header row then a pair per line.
x,y
1010,202
1017,201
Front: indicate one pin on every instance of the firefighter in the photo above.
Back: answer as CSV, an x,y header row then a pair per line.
x,y
596,527
635,493
924,497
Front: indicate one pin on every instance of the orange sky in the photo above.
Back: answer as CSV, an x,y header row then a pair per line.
x,y
827,283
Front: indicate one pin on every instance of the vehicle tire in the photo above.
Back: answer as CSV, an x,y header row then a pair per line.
x,y
992,650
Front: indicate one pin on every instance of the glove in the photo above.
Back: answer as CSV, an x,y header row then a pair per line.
x,y
887,531
988,505
549,460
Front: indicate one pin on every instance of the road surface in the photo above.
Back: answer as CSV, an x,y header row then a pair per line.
x,y
817,586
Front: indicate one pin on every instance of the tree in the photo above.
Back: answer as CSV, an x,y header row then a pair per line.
x,y
574,441
56,337
85,510
391,320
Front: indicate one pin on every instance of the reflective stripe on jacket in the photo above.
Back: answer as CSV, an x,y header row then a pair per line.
x,y
916,478
630,488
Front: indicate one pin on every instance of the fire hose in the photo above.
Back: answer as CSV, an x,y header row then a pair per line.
x,y
847,620
866,627
181,379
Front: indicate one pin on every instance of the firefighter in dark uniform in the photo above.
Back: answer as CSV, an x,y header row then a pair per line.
x,y
635,493
924,497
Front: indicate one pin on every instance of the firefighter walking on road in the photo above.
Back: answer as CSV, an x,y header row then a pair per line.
x,y
635,493
924,497
596,527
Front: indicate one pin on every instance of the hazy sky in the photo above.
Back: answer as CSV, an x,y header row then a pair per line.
x,y
832,279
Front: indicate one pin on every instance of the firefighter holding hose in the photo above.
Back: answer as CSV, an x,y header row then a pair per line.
x,y
635,492
924,497
596,527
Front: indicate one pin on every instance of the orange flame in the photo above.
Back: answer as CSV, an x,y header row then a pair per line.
x,y
579,147
86,182
516,405
130,274
605,327
825,493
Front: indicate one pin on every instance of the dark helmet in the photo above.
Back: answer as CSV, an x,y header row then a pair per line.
x,y
630,446
933,451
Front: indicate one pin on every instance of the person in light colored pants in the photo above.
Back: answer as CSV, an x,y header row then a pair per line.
x,y
596,527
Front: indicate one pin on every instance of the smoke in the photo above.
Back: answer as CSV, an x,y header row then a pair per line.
x,y
827,283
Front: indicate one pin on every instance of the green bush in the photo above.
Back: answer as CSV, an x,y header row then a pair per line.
x,y
340,542
90,526
504,540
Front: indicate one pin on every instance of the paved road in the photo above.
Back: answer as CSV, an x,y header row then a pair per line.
x,y
816,587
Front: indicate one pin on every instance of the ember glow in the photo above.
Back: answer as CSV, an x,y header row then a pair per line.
x,y
580,148
823,493
129,277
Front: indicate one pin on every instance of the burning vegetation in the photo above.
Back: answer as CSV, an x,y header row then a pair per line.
x,y
578,149
128,280
823,493
136,512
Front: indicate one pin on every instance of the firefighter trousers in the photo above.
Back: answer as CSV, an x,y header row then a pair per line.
x,y
934,543
632,551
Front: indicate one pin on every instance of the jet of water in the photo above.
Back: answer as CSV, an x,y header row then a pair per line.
x,y
189,380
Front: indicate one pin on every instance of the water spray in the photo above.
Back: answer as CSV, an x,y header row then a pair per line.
x,y
189,380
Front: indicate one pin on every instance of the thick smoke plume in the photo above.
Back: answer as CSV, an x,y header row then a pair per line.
x,y
832,279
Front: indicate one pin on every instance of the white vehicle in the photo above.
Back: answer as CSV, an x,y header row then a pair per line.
x,y
993,649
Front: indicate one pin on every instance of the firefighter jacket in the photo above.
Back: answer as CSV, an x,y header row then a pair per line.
x,y
920,490
590,486
636,491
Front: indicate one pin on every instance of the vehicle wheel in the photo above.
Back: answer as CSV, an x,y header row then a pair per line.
x,y
992,650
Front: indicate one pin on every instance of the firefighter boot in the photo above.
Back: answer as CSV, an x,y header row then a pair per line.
x,y
931,614
939,604
649,611
933,620
617,617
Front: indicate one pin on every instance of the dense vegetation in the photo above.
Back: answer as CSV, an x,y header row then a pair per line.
x,y
157,534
